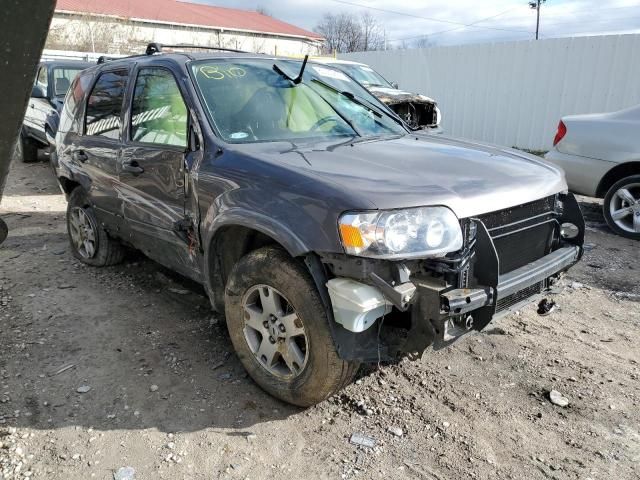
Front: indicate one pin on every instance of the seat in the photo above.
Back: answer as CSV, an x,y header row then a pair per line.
x,y
265,113
62,85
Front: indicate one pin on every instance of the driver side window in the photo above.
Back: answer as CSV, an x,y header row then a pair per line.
x,y
158,114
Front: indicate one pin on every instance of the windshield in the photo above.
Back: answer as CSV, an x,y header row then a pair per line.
x,y
62,78
248,101
367,76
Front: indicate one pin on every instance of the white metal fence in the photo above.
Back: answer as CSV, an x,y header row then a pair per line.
x,y
514,93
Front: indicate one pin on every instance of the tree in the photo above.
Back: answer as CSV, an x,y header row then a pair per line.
x,y
422,42
372,33
347,33
263,11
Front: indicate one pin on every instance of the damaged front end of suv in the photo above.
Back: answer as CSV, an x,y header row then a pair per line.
x,y
418,111
501,261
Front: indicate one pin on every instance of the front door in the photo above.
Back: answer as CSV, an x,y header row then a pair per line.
x,y
152,171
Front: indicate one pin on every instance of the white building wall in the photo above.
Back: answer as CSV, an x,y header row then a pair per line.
x,y
118,36
514,93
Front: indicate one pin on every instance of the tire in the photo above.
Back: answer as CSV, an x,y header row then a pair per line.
x,y
84,230
50,150
322,372
4,231
26,149
624,197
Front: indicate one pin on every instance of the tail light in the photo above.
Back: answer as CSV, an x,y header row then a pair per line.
x,y
562,131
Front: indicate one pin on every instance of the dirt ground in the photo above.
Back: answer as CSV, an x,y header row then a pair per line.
x,y
164,393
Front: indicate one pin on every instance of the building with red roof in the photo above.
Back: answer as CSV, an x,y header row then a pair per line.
x,y
126,26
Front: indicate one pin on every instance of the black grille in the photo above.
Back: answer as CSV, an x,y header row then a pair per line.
x,y
520,248
515,298
519,213
522,234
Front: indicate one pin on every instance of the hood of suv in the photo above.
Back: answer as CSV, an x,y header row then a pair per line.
x,y
420,170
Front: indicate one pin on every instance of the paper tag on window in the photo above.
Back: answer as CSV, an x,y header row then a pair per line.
x,y
330,73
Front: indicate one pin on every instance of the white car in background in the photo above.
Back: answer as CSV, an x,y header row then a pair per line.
x,y
600,154
417,110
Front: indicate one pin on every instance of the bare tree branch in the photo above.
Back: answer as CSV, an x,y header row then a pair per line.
x,y
347,33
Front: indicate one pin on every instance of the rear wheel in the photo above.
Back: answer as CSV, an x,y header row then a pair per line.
x,y
26,149
622,207
280,330
89,241
50,150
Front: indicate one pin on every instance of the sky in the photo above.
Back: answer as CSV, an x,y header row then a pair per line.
x,y
443,21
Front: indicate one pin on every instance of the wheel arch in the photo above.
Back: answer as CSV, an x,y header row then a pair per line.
x,y
68,185
230,240
618,172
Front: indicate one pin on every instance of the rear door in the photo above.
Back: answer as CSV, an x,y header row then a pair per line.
x,y
98,151
152,169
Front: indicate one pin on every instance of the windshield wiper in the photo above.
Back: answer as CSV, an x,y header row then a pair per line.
x,y
362,102
296,80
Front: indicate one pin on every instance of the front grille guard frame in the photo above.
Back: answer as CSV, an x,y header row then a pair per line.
x,y
487,265
435,308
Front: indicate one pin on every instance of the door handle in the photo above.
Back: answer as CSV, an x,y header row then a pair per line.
x,y
131,166
33,105
80,156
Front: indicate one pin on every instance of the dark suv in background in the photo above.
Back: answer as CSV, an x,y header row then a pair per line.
x,y
325,230
41,118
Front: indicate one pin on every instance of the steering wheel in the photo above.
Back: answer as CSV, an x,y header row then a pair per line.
x,y
322,121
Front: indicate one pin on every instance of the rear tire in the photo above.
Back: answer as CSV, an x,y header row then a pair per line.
x,y
26,149
621,207
50,151
89,242
317,371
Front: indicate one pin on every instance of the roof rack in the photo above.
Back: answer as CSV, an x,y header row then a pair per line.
x,y
104,58
154,47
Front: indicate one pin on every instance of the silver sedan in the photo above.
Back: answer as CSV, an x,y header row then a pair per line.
x,y
600,154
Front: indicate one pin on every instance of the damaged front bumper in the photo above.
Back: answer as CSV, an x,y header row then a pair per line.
x,y
436,303
443,315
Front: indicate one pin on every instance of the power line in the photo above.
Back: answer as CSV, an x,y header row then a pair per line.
x,y
472,24
422,17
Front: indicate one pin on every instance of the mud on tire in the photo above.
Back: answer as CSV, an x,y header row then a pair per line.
x,y
323,373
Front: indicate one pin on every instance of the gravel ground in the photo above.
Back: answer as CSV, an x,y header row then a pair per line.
x,y
126,366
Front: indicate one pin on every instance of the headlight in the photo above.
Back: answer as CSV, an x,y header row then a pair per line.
x,y
415,232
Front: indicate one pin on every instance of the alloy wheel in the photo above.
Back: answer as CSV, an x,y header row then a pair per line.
x,y
624,207
83,232
274,332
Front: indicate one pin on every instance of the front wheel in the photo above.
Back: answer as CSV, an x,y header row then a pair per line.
x,y
280,330
622,207
89,241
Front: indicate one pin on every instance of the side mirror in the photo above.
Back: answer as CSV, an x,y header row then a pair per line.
x,y
38,92
394,85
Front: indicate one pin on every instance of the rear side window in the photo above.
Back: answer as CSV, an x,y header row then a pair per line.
x,y
158,113
70,118
104,106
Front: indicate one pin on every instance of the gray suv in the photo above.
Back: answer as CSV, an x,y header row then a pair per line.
x,y
326,232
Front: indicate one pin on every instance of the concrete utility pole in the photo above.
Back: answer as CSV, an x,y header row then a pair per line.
x,y
536,5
